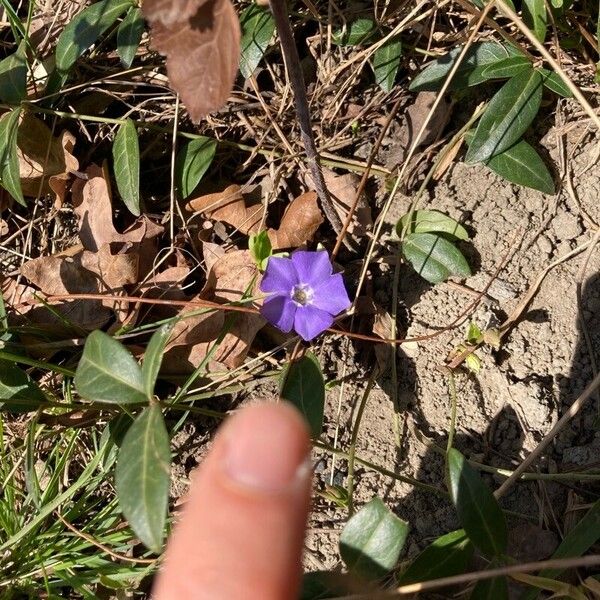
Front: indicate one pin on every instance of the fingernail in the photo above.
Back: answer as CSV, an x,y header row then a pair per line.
x,y
268,455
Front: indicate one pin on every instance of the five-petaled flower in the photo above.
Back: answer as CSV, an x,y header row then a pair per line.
x,y
304,293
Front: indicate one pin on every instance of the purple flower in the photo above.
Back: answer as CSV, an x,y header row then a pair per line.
x,y
304,294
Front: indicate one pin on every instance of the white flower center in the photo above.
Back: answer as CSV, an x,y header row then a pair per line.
x,y
302,294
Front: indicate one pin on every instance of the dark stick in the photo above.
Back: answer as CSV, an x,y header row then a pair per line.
x,y
292,61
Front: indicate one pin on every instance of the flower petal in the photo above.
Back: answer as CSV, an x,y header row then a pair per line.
x,y
309,322
280,276
331,295
279,311
312,267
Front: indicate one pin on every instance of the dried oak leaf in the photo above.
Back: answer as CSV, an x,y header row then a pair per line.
x,y
231,276
298,225
78,271
229,207
44,160
93,206
202,49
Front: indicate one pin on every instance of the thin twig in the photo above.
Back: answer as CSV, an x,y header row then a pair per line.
x,y
294,69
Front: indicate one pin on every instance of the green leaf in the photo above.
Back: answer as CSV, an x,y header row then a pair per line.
x,y
386,62
507,67
129,36
84,29
449,555
18,392
108,373
372,540
507,117
126,161
192,162
302,384
579,540
258,26
260,249
13,77
433,257
469,73
356,33
321,585
491,589
536,18
9,161
153,357
521,164
555,84
478,510
142,477
431,221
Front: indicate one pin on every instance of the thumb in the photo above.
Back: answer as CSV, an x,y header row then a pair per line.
x,y
242,527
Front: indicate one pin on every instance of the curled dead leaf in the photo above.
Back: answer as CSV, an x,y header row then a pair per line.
x,y
298,225
231,276
201,41
93,207
229,207
45,161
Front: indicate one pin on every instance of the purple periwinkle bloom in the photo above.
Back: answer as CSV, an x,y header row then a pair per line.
x,y
304,293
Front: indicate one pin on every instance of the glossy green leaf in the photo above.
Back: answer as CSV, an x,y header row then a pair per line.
x,y
469,73
32,482
302,384
258,26
386,62
126,161
9,160
478,511
13,77
129,35
507,67
154,356
192,162
507,117
18,392
432,221
108,373
142,477
371,541
490,589
355,33
521,164
555,84
85,29
433,257
536,17
260,249
449,555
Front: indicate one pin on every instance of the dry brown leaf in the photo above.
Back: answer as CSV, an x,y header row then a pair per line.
x,y
93,207
298,224
382,327
78,271
170,12
229,207
202,49
42,156
192,337
342,189
413,120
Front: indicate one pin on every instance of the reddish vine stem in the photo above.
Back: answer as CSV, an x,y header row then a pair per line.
x,y
292,61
